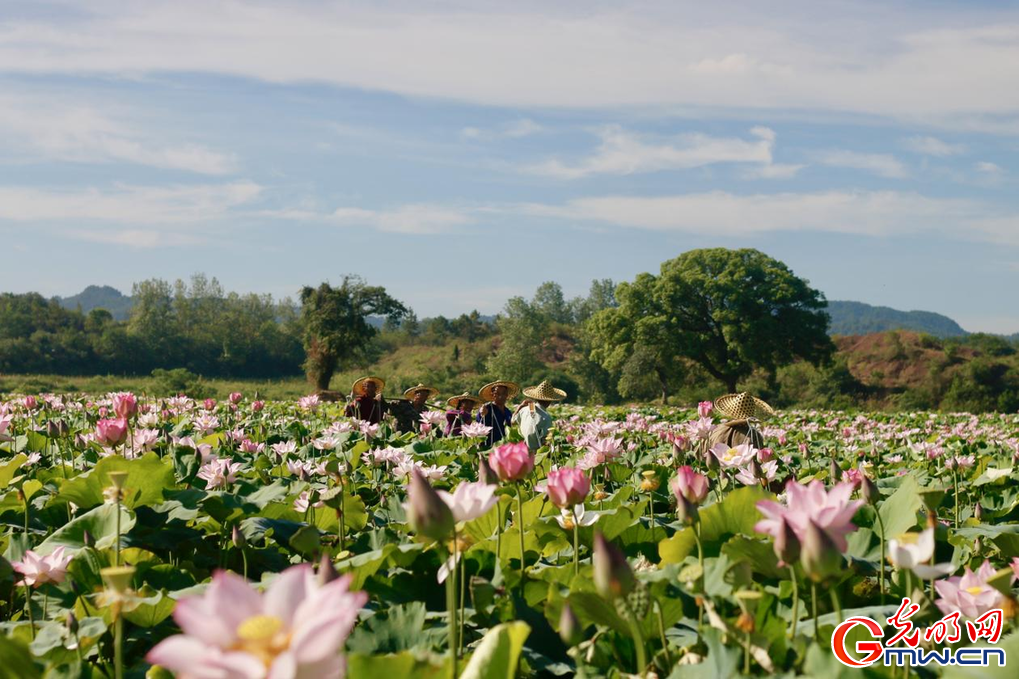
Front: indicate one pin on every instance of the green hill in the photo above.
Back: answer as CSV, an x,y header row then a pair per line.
x,y
857,318
99,297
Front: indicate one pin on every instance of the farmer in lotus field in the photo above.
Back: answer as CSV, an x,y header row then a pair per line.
x,y
407,410
495,413
532,415
459,413
366,400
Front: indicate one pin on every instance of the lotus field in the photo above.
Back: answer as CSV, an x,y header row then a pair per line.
x,y
242,539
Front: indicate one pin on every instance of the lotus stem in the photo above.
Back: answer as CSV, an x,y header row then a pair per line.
x,y
796,600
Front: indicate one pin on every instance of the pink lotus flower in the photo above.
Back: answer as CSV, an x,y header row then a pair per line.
x,y
436,418
738,456
689,484
236,397
969,594
1015,568
511,461
111,432
475,430
567,487
38,570
295,630
5,421
831,511
705,408
257,406
308,403
209,404
700,429
605,450
30,402
470,500
218,473
125,405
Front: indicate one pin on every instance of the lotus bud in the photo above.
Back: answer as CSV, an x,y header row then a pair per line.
x,y
978,512
834,471
756,470
428,514
72,623
52,429
486,474
869,491
87,539
326,571
569,627
686,511
787,545
237,537
712,461
613,576
819,554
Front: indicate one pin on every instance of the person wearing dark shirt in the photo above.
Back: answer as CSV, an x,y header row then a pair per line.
x,y
460,413
366,400
407,410
495,413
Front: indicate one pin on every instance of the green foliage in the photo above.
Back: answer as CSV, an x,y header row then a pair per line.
x,y
179,381
728,311
336,328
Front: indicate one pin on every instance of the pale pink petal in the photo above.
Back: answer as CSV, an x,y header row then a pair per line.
x,y
287,592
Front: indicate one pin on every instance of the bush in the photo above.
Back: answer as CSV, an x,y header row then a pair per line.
x,y
179,381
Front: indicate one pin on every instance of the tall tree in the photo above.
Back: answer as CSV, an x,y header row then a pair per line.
x,y
730,311
336,328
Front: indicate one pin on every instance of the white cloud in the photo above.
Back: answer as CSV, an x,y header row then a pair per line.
x,y
622,152
773,171
136,238
410,219
989,168
879,59
61,130
865,213
932,146
517,129
881,164
126,204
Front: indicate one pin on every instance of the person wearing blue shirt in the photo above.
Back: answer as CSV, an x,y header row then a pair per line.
x,y
495,413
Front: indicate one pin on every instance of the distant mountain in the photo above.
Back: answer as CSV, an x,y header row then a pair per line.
x,y
857,318
99,297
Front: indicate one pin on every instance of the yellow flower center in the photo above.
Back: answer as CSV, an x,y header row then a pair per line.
x,y
568,522
974,590
262,636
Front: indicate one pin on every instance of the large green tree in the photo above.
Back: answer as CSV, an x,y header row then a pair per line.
x,y
336,327
729,311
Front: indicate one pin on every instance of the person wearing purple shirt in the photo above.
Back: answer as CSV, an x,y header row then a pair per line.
x,y
460,413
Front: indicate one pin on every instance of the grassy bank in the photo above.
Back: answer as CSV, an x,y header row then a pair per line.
x,y
101,384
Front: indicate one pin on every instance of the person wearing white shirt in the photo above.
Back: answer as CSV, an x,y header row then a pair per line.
x,y
531,416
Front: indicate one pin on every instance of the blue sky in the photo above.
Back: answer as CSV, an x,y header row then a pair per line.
x,y
461,153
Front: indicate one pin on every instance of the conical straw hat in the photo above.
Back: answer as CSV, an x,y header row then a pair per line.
x,y
545,392
742,406
357,389
432,391
455,401
486,391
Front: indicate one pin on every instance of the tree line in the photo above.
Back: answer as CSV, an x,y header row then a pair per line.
x,y
716,314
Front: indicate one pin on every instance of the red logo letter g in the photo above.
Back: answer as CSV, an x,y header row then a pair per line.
x,y
873,649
